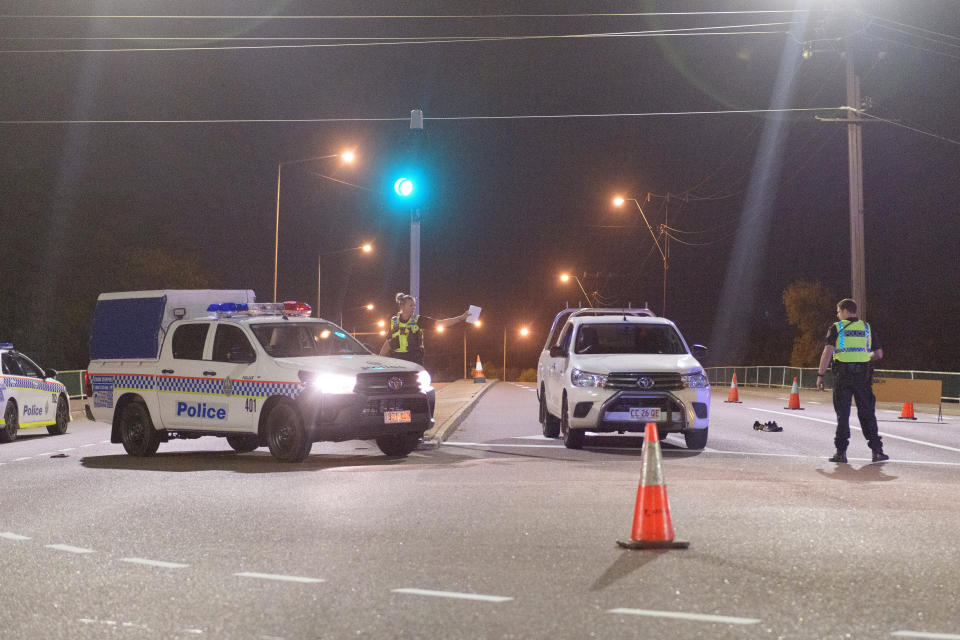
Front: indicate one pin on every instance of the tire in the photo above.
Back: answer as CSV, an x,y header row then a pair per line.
x,y
695,438
399,445
572,438
286,436
550,424
63,418
11,423
137,433
243,443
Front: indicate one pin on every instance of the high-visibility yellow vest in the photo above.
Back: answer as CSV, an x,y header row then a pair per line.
x,y
406,337
853,342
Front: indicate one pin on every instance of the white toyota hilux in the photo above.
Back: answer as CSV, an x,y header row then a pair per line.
x,y
614,371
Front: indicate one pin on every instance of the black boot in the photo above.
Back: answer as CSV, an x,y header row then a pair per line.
x,y
879,455
840,456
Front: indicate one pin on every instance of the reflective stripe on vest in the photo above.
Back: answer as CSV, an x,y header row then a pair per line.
x,y
853,342
405,336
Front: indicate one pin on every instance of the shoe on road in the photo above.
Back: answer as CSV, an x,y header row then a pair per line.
x,y
840,456
880,456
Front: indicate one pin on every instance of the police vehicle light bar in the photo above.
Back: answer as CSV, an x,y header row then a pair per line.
x,y
6,345
288,308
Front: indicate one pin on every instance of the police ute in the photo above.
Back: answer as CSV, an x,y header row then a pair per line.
x,y
186,363
30,396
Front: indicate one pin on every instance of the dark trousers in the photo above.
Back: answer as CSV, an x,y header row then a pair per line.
x,y
853,382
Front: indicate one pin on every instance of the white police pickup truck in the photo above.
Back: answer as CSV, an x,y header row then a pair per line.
x,y
184,364
30,396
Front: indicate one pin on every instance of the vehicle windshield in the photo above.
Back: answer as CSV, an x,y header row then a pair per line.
x,y
299,339
629,337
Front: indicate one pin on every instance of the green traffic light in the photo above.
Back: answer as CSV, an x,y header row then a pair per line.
x,y
403,187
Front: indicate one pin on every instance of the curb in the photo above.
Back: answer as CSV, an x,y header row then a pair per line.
x,y
443,430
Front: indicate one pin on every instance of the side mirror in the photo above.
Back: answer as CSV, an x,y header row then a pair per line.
x,y
699,351
50,373
557,352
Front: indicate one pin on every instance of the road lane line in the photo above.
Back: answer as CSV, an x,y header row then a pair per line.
x,y
853,426
12,536
68,548
94,444
274,576
453,594
680,615
923,634
155,563
21,459
68,449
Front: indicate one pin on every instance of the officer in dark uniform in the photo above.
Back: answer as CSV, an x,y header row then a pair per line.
x,y
851,348
405,336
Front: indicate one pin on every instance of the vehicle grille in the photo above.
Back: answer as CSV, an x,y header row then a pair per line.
x,y
661,381
378,383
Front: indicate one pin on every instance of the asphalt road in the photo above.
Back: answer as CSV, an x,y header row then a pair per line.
x,y
499,533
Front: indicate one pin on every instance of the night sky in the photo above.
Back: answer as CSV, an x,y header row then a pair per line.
x,y
515,193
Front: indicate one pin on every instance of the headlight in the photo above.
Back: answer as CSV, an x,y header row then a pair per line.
x,y
586,379
695,380
423,377
329,382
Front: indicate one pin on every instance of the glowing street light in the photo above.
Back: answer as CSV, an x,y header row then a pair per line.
x,y
347,157
364,248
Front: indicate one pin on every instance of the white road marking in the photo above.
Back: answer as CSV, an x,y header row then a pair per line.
x,y
68,548
155,563
814,402
12,536
68,449
923,634
46,453
853,426
94,444
453,594
21,459
680,615
273,576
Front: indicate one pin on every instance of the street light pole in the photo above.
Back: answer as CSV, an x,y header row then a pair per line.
x,y
565,276
855,161
347,157
366,248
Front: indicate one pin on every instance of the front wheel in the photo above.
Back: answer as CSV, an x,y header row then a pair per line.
x,y
11,423
399,445
136,431
572,438
550,424
696,438
243,443
63,418
286,436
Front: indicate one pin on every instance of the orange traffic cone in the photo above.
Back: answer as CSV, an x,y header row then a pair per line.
x,y
734,394
794,402
652,527
907,412
478,372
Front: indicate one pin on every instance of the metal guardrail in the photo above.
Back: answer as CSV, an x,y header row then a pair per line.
x,y
73,381
781,376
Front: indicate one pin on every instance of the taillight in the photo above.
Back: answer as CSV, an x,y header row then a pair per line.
x,y
87,387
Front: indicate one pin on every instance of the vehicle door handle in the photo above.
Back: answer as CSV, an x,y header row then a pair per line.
x,y
166,371
209,373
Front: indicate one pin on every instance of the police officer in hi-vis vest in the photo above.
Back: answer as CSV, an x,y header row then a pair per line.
x,y
405,336
852,346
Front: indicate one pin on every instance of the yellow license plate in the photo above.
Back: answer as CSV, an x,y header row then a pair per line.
x,y
391,417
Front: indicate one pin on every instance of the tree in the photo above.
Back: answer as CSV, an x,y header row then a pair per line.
x,y
810,309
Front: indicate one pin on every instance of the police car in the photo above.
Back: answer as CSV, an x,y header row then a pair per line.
x,y
30,396
257,374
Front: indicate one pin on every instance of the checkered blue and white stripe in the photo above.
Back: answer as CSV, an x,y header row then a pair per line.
x,y
18,382
209,386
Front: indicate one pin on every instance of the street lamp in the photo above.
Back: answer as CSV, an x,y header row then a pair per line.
x,y
476,325
523,332
347,156
365,248
663,249
565,277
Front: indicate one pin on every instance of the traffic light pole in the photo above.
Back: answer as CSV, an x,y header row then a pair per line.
x,y
416,127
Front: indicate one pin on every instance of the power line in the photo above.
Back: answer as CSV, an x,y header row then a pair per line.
x,y
914,129
693,31
436,118
397,17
